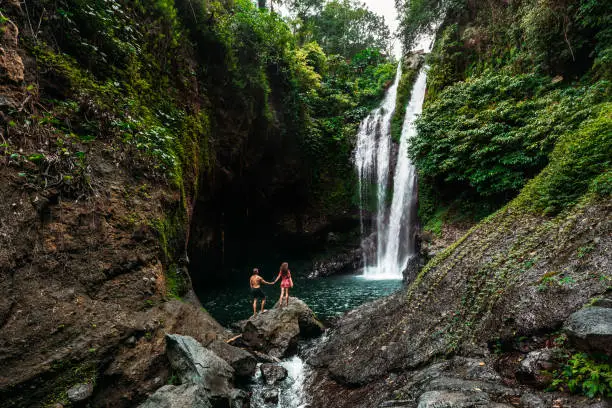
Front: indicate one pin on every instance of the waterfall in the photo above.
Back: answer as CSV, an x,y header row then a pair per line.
x,y
397,239
372,154
395,223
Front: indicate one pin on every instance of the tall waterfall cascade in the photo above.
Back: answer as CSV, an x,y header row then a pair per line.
x,y
395,198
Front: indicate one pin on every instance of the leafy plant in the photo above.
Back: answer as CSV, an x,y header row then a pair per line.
x,y
585,374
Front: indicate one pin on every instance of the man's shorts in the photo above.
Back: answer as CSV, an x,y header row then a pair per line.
x,y
257,293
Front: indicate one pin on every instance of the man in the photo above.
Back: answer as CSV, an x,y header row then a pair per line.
x,y
256,291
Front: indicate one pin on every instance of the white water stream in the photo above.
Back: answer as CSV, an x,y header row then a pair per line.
x,y
394,222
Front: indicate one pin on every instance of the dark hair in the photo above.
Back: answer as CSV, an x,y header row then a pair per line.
x,y
255,270
284,269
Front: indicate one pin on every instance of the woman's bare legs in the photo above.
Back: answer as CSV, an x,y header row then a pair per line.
x,y
280,300
287,296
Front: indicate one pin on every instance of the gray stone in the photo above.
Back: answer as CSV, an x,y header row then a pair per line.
x,y
80,392
530,370
270,396
273,373
182,396
243,362
277,331
445,399
265,358
529,400
591,329
194,364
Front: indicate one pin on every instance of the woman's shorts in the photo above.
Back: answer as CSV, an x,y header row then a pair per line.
x,y
257,293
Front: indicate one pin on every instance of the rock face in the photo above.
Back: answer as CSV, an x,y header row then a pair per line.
x,y
344,263
273,373
277,331
591,329
494,283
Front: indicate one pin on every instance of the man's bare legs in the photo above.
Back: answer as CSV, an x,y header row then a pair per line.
x,y
254,306
263,302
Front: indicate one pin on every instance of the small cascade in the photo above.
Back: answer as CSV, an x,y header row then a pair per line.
x,y
289,392
395,200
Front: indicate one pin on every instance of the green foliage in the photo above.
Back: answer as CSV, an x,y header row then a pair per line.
x,y
417,16
585,374
341,27
579,161
490,134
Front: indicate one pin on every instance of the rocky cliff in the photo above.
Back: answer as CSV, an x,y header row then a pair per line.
x,y
133,136
514,278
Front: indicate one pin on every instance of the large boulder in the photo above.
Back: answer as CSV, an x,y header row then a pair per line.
x,y
206,379
193,364
277,331
591,329
243,362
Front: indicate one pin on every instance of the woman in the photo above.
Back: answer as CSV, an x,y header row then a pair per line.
x,y
286,282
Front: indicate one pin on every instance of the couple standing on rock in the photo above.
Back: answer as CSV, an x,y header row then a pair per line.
x,y
286,282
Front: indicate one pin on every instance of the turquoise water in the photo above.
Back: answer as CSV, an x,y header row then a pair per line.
x,y
327,297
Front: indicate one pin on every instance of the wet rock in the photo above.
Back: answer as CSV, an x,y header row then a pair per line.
x,y
80,392
277,331
591,329
239,399
531,367
194,364
446,399
265,358
273,373
182,396
414,266
243,362
344,263
270,396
